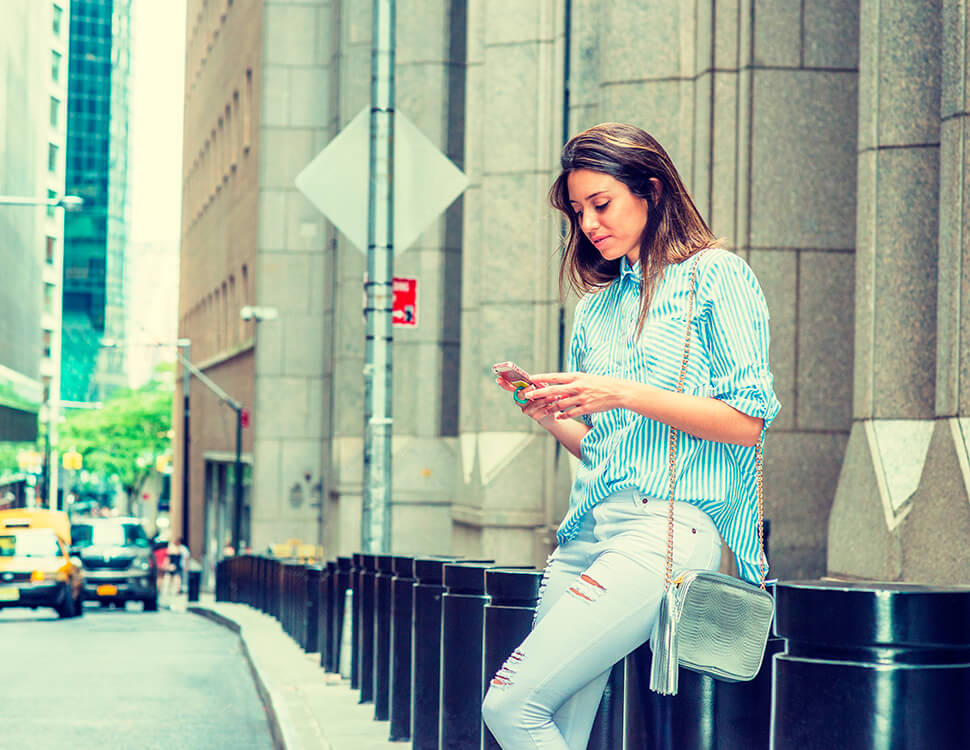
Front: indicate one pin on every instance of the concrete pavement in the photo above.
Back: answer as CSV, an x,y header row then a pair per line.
x,y
307,708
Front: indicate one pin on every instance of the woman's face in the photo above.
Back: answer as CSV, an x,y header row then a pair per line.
x,y
610,215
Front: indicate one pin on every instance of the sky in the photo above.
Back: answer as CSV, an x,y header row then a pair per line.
x,y
155,180
155,125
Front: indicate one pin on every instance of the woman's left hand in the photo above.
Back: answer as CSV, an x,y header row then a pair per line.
x,y
577,393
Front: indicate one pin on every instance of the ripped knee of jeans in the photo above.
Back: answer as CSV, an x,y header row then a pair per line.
x,y
542,590
503,678
586,589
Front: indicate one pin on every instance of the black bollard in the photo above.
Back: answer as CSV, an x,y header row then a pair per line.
x,y
341,585
356,569
382,637
366,645
426,652
311,642
744,708
325,624
402,610
871,665
607,730
462,629
513,594
288,619
706,714
276,590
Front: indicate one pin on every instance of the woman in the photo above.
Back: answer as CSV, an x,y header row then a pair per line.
x,y
634,243
173,576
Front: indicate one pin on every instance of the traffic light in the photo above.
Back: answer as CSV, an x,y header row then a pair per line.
x,y
72,460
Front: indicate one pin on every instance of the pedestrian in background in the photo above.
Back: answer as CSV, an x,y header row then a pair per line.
x,y
651,274
177,565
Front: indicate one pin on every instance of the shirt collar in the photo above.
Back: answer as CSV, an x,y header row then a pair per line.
x,y
628,272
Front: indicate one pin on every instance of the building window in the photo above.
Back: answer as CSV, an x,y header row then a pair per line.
x,y
47,344
55,111
51,157
50,249
247,106
234,131
51,195
56,21
55,66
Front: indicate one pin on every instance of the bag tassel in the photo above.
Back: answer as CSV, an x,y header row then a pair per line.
x,y
665,668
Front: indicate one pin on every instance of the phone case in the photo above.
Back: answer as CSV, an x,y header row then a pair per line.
x,y
513,374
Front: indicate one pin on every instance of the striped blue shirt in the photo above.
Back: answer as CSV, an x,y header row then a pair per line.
x,y
728,361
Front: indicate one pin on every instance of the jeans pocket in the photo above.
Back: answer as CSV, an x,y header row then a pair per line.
x,y
697,543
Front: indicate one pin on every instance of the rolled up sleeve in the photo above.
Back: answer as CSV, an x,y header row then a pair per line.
x,y
736,334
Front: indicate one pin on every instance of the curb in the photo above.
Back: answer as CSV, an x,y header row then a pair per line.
x,y
279,727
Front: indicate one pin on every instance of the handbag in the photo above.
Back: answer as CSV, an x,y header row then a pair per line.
x,y
710,623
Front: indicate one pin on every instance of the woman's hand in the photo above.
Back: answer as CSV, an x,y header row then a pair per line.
x,y
570,394
539,409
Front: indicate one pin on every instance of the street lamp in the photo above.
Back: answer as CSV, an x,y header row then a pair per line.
x,y
186,344
70,203
67,202
188,369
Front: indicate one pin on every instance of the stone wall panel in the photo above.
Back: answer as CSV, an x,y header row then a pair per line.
x,y
825,333
904,354
801,472
936,530
777,272
777,34
831,34
802,186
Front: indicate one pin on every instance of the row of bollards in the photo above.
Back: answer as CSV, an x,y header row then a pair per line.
x,y
852,666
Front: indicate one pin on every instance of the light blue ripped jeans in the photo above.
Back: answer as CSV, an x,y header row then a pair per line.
x,y
600,598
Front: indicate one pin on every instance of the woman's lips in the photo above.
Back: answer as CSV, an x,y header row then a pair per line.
x,y
598,240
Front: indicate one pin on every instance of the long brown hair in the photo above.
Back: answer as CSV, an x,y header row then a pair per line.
x,y
675,229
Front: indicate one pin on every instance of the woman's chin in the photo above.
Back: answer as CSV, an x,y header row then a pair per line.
x,y
610,254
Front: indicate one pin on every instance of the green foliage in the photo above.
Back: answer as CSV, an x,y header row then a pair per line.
x,y
124,437
8,455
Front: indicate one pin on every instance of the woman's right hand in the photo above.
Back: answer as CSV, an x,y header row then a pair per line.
x,y
542,410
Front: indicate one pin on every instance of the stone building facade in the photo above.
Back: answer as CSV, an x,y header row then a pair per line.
x,y
824,142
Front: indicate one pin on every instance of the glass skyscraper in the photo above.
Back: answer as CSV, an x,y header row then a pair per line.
x,y
97,170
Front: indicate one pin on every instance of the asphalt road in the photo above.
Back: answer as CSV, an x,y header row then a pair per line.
x,y
125,680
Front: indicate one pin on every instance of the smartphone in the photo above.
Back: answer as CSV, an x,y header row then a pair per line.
x,y
513,374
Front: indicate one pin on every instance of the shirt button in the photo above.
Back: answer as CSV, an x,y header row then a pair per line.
x,y
643,500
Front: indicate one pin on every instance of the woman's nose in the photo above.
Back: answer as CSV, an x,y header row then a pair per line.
x,y
588,222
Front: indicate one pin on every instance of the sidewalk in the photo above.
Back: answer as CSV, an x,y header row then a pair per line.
x,y
307,709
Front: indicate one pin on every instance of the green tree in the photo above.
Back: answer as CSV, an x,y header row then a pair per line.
x,y
126,436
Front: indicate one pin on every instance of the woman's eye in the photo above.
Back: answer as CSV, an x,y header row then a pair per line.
x,y
601,206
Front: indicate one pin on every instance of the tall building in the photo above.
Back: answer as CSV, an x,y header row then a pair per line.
x,y
97,170
823,141
33,71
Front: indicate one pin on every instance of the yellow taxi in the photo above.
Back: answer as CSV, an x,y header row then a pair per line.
x,y
36,569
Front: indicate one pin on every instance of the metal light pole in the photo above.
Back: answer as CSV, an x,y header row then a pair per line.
x,y
378,364
186,344
238,490
67,202
49,478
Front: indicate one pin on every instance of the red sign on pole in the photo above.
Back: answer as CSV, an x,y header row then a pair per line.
x,y
405,307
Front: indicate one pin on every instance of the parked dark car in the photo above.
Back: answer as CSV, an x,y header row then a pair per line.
x,y
118,563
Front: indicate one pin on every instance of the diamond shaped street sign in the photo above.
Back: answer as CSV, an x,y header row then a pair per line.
x,y
425,181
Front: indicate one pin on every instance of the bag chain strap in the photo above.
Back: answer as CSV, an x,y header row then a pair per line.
x,y
672,456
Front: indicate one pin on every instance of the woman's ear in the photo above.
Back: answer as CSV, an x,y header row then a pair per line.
x,y
655,190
